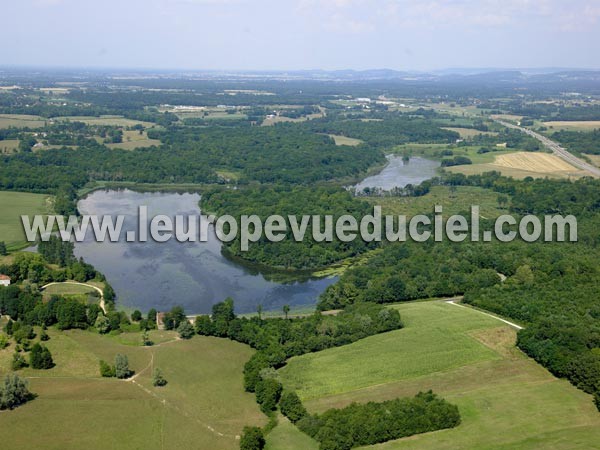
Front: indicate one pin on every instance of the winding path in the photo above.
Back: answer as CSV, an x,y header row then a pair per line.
x,y
96,288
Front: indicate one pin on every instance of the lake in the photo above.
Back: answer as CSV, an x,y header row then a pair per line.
x,y
399,173
194,275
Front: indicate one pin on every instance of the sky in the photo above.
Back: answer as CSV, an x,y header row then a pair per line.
x,y
300,34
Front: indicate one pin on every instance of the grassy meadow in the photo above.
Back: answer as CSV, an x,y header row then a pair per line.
x,y
132,139
203,403
12,206
343,140
506,400
22,121
9,146
456,202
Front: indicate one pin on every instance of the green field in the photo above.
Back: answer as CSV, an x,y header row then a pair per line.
x,y
133,139
22,121
12,206
456,202
118,121
202,406
506,400
9,146
343,140
77,291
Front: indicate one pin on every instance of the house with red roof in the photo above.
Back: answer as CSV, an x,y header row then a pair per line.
x,y
4,280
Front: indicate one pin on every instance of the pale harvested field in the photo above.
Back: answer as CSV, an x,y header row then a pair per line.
x,y
595,159
524,164
583,125
534,162
469,132
513,117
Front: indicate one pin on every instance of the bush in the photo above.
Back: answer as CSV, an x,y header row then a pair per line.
x,y
252,439
122,367
40,357
291,407
14,391
18,362
4,341
158,379
186,330
268,392
136,316
106,370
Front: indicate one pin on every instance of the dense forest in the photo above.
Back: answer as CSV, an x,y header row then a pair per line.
x,y
290,253
579,142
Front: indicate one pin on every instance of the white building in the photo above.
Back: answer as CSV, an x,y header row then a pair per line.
x,y
4,280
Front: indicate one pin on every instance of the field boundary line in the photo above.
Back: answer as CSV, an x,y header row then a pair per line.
x,y
512,324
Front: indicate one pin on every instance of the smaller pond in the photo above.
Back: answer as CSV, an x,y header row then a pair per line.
x,y
399,173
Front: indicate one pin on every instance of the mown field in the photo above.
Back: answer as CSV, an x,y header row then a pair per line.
x,y
21,121
469,132
118,121
579,125
72,290
595,159
506,400
133,139
521,165
343,140
9,146
202,406
12,206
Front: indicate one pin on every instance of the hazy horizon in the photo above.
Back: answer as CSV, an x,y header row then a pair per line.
x,y
288,35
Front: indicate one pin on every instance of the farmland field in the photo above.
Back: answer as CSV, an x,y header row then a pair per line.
x,y
524,164
22,120
595,159
580,125
469,132
343,140
117,121
203,402
133,139
12,206
8,146
506,400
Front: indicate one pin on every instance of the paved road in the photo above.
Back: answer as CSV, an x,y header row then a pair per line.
x,y
557,150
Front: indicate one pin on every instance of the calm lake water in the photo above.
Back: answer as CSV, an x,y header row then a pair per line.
x,y
193,275
196,275
399,173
